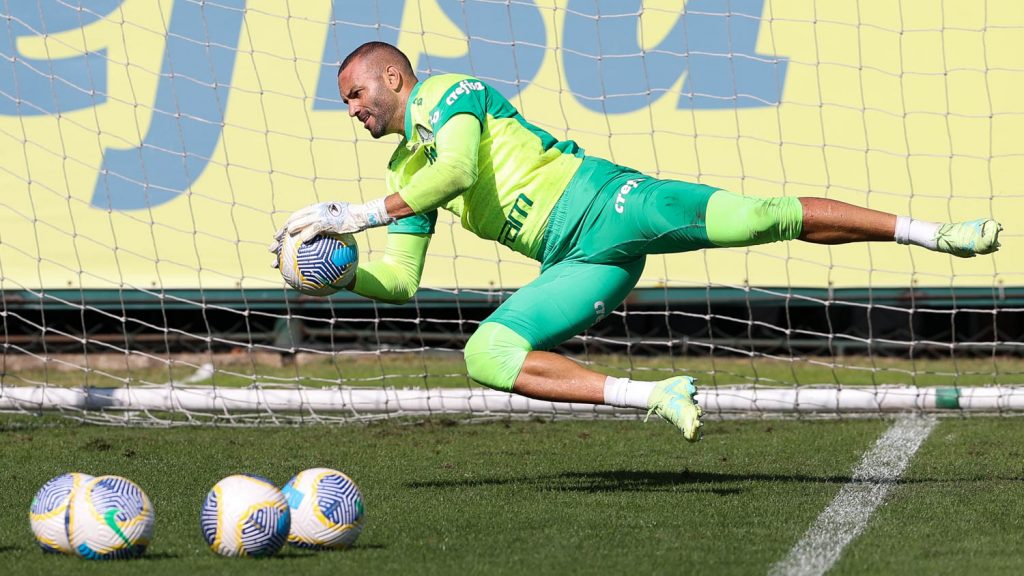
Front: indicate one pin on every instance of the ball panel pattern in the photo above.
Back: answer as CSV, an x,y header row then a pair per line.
x,y
209,516
323,261
48,513
109,518
338,499
321,266
327,509
120,496
264,529
245,516
133,551
53,495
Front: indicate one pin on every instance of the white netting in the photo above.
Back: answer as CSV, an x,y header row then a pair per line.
x,y
149,150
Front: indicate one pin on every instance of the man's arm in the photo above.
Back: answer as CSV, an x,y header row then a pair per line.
x,y
453,171
395,277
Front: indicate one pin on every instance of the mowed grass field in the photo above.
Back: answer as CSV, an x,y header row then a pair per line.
x,y
540,497
414,368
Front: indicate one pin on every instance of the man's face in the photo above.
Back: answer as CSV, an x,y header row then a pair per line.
x,y
369,97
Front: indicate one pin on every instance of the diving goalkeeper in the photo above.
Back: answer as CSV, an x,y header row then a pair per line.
x,y
589,222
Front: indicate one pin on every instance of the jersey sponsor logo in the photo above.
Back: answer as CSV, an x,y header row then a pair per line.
x,y
515,220
424,141
425,134
464,87
426,137
629,186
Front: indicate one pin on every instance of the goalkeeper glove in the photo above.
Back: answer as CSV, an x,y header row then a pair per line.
x,y
332,218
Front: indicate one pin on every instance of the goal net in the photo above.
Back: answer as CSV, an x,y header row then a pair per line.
x,y
149,151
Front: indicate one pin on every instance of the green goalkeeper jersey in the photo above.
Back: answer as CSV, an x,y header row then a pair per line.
x,y
521,169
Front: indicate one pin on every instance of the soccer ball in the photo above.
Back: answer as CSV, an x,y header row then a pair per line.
x,y
109,517
327,509
49,511
320,267
245,516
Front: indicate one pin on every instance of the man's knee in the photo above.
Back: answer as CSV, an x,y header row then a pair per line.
x,y
494,356
779,218
734,220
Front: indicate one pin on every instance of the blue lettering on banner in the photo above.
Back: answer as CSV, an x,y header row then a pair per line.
x,y
199,61
507,43
712,43
30,87
349,29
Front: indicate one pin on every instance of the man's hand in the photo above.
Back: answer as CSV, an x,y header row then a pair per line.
x,y
275,247
332,218
336,217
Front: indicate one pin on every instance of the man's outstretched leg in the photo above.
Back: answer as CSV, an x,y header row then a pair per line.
x,y
832,222
506,353
549,376
734,220
501,359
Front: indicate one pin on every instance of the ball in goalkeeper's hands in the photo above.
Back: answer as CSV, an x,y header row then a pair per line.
x,y
320,267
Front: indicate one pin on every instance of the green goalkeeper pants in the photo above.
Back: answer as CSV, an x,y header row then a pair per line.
x,y
599,234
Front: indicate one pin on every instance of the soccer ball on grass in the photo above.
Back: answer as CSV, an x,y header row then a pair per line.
x,y
109,517
327,509
49,511
245,516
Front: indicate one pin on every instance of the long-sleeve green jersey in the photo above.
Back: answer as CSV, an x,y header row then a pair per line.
x,y
498,173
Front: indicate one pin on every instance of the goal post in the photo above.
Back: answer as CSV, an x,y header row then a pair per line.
x,y
193,404
149,151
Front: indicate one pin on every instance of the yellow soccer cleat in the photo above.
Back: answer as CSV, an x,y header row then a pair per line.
x,y
673,400
967,239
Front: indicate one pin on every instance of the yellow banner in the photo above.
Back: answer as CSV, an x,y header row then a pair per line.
x,y
159,145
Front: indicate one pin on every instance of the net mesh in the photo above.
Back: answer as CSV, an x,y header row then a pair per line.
x,y
150,150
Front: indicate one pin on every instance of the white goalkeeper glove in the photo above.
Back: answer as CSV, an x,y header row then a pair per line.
x,y
331,217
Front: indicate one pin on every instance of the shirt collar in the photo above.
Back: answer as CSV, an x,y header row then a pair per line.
x,y
409,133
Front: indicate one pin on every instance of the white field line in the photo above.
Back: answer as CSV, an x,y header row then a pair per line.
x,y
848,514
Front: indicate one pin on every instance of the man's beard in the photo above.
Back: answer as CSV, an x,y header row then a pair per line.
x,y
386,110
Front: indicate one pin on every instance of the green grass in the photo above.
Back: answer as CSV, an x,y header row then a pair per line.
x,y
416,369
547,497
957,510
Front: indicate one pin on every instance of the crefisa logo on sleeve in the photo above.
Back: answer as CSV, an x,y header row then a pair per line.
x,y
463,87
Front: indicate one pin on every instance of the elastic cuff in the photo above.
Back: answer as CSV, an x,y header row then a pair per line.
x,y
376,213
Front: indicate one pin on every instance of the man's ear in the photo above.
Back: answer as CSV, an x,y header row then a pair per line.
x,y
393,78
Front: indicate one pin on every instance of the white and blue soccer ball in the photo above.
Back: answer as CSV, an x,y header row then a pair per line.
x,y
321,266
108,518
48,513
327,509
245,516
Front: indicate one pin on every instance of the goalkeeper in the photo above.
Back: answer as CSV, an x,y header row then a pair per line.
x,y
589,222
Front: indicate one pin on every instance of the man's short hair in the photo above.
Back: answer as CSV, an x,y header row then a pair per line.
x,y
382,52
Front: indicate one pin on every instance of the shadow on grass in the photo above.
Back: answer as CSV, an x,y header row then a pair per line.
x,y
293,552
157,556
4,549
632,480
